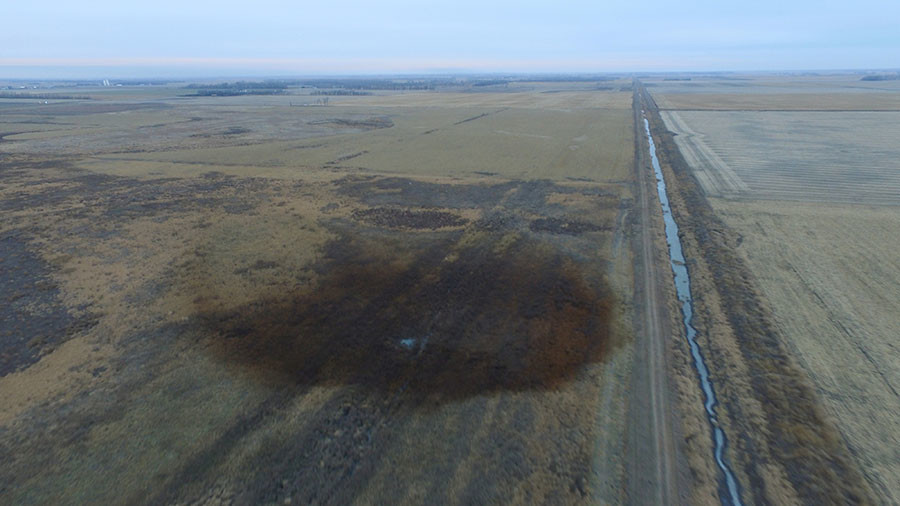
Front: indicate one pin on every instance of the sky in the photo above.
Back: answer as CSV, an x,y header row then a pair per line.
x,y
185,38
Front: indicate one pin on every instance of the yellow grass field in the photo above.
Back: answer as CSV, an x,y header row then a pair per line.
x,y
594,144
401,298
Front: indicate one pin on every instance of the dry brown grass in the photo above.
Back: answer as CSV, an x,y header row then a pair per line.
x,y
832,277
514,143
142,408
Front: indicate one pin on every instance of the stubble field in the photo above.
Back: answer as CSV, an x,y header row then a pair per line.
x,y
842,157
812,196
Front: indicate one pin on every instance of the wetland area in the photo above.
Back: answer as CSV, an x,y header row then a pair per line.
x,y
456,292
397,299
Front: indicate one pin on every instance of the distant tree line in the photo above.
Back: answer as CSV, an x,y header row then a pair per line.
x,y
243,85
881,77
562,78
340,92
143,82
269,87
490,82
375,84
355,85
232,93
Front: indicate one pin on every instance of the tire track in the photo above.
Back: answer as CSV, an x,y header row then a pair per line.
x,y
652,467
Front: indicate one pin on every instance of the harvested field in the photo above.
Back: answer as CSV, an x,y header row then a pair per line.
x,y
846,157
797,101
784,448
832,276
807,201
749,92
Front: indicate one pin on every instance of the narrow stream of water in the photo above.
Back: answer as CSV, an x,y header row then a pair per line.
x,y
731,495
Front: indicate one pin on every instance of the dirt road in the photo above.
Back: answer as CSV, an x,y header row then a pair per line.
x,y
652,475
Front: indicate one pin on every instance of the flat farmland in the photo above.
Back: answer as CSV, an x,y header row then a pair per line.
x,y
529,134
449,142
775,92
807,156
811,196
832,276
239,300
797,101
536,97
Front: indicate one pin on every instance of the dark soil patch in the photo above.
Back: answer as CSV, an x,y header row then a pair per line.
x,y
559,226
236,130
401,192
405,218
395,191
497,221
33,321
423,326
116,198
258,265
367,123
344,158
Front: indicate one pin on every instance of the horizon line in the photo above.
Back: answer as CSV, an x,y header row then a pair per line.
x,y
218,67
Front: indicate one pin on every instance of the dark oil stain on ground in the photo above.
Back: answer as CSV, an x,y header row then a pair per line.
x,y
567,227
408,218
422,323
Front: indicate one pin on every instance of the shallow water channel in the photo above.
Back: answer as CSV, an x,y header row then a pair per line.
x,y
730,495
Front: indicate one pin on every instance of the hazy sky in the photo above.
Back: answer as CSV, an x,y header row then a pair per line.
x,y
256,37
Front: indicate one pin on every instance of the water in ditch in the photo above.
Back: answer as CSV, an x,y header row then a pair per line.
x,y
730,495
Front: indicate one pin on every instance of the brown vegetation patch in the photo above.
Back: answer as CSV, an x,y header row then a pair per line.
x,y
368,123
405,218
33,320
425,325
567,227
